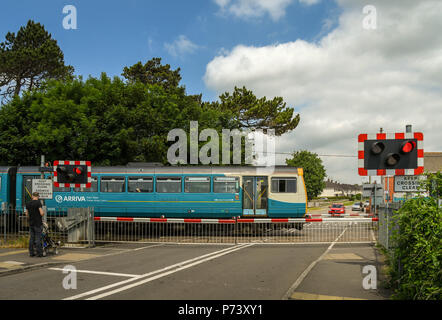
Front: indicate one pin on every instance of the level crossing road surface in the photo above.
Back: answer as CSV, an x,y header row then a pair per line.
x,y
253,271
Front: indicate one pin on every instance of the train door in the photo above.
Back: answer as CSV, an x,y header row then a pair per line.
x,y
255,196
27,188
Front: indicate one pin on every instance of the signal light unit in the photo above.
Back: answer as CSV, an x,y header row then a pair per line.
x,y
390,154
72,174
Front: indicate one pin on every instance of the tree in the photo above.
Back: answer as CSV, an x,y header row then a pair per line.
x,y
252,113
29,58
153,72
314,171
107,121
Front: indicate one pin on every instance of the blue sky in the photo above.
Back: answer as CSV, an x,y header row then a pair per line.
x,y
114,34
342,77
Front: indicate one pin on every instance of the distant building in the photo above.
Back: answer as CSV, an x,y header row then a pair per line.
x,y
433,161
432,164
336,189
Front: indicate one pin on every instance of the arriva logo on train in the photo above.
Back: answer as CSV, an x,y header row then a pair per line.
x,y
60,199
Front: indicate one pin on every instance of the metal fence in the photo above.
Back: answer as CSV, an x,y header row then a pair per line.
x,y
67,225
79,225
387,225
111,229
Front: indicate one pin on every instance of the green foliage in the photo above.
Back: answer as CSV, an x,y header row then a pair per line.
x,y
314,171
28,59
106,121
354,197
153,72
252,113
416,263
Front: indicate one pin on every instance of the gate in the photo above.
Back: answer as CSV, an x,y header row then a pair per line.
x,y
233,231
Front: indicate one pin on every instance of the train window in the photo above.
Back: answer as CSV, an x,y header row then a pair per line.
x,y
93,188
197,185
140,184
284,185
226,184
112,184
169,185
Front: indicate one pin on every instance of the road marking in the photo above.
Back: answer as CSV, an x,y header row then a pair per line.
x,y
101,273
130,286
309,268
342,256
311,296
177,265
75,256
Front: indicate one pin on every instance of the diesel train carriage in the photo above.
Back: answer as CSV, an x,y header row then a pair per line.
x,y
7,186
179,192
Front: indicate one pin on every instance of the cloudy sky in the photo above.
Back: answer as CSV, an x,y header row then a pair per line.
x,y
343,69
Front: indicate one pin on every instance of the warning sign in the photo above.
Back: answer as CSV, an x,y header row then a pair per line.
x,y
43,187
407,183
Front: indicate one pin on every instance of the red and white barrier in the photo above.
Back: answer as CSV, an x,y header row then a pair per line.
x,y
232,221
166,220
343,215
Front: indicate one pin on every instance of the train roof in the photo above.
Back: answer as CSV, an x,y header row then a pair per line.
x,y
5,169
243,170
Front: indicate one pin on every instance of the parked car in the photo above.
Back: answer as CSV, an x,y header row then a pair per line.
x,y
357,206
336,208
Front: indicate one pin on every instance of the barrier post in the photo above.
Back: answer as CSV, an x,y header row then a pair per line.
x,y
236,230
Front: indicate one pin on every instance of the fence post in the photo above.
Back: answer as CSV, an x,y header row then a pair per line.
x,y
388,228
90,227
4,223
236,230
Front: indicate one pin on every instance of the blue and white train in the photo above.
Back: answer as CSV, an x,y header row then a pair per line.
x,y
171,192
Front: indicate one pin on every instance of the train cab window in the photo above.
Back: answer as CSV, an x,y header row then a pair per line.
x,y
197,185
112,184
169,185
93,188
226,185
284,185
140,184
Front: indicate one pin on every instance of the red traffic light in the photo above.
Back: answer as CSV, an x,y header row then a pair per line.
x,y
408,146
78,170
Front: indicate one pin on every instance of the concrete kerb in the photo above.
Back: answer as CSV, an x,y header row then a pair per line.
x,y
30,267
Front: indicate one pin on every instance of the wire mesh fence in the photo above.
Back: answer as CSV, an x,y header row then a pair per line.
x,y
79,225
66,225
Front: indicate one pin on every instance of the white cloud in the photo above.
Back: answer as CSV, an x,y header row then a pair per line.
x,y
309,2
181,46
257,8
352,81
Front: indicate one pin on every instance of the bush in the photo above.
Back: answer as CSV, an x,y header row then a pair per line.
x,y
416,262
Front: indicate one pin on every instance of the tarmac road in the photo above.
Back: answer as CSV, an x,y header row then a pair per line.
x,y
197,272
